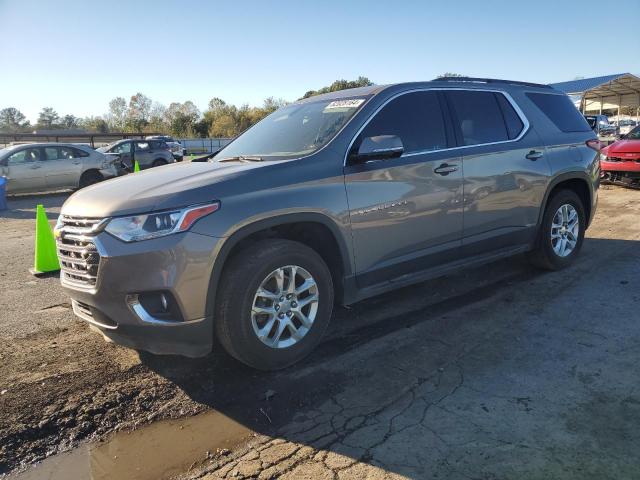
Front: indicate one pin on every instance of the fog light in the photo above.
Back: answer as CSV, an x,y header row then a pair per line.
x,y
164,302
155,306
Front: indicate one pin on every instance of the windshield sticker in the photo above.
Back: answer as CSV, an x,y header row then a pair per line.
x,y
354,103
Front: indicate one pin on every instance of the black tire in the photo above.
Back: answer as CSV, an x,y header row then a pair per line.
x,y
159,162
544,255
90,177
239,283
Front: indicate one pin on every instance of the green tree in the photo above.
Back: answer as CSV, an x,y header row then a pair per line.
x,y
70,121
13,120
48,118
138,113
182,118
271,104
117,113
340,85
95,124
157,121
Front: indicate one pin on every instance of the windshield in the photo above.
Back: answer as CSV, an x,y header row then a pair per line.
x,y
633,134
292,131
105,148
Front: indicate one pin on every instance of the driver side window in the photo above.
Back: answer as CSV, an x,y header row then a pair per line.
x,y
122,148
414,117
24,156
18,158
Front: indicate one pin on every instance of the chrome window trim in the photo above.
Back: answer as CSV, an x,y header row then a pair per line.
x,y
512,102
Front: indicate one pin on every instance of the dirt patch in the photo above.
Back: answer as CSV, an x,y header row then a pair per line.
x,y
60,383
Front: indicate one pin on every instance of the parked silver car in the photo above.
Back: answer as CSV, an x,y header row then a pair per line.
x,y
38,167
175,146
148,153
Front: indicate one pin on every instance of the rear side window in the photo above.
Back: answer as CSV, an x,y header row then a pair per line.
x,y
414,117
511,119
52,153
561,111
479,117
77,153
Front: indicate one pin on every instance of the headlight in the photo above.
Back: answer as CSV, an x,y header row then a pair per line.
x,y
603,157
153,225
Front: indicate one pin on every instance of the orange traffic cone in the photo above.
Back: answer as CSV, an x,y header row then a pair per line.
x,y
46,257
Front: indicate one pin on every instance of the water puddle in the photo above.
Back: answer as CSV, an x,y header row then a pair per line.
x,y
157,451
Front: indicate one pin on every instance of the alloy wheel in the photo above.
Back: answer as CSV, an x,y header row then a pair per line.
x,y
565,229
285,306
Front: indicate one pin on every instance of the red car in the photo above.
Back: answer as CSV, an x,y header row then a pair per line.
x,y
620,161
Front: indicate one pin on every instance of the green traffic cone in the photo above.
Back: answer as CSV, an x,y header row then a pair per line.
x,y
136,167
46,258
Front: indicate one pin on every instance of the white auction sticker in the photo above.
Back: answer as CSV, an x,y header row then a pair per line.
x,y
353,103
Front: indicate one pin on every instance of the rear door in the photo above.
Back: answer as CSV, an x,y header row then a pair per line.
x,y
142,152
505,170
62,167
405,216
25,172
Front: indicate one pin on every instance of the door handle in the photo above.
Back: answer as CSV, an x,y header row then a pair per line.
x,y
534,155
445,169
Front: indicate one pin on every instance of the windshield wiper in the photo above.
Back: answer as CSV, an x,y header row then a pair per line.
x,y
242,158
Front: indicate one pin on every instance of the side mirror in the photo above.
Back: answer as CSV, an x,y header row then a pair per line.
x,y
381,147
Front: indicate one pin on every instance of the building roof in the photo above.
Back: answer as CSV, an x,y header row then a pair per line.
x,y
607,85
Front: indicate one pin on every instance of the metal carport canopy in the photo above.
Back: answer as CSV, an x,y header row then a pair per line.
x,y
609,91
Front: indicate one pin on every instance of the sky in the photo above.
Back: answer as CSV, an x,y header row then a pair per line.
x,y
75,56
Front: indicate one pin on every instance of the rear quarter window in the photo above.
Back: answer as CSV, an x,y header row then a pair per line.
x,y
561,111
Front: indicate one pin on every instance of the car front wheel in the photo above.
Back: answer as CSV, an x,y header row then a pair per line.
x,y
274,304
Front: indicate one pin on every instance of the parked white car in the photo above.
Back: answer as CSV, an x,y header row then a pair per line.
x,y
175,146
39,167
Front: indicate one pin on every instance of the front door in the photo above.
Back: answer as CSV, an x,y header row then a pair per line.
x,y
126,153
406,212
25,172
62,167
505,170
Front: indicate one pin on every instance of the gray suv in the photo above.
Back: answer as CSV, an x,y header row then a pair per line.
x,y
148,153
335,198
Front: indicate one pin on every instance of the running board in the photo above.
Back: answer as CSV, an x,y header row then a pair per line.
x,y
446,269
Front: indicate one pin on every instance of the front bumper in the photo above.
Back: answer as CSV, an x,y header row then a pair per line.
x,y
631,164
179,265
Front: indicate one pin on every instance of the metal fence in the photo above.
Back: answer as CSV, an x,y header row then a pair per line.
x,y
202,145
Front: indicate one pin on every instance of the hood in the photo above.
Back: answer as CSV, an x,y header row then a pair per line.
x,y
160,188
622,146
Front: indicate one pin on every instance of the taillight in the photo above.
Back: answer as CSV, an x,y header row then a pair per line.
x,y
595,144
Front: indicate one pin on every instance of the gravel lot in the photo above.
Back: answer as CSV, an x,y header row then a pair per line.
x,y
499,372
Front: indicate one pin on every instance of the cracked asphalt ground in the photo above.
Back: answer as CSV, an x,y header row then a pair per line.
x,y
495,373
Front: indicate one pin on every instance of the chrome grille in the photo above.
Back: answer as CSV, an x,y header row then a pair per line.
x,y
78,255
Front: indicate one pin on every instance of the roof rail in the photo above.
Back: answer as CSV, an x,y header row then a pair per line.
x,y
489,80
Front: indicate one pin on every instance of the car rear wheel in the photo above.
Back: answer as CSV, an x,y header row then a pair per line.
x,y
274,304
561,232
90,177
158,162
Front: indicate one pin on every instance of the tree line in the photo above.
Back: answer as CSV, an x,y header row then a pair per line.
x,y
142,114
